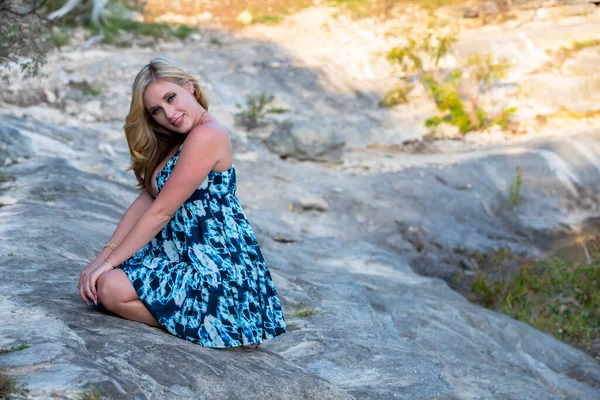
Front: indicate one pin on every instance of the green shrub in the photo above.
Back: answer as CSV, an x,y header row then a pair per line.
x,y
486,70
114,25
422,52
445,94
420,59
514,191
256,110
398,95
9,388
503,118
91,394
558,297
59,38
22,40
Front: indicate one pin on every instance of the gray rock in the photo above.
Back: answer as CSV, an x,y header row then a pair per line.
x,y
377,330
79,347
313,141
311,203
13,144
8,201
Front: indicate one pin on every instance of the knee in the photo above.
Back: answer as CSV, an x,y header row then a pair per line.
x,y
106,289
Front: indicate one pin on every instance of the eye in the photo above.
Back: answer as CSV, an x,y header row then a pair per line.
x,y
170,98
153,112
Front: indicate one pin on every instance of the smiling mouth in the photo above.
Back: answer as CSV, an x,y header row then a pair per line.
x,y
178,121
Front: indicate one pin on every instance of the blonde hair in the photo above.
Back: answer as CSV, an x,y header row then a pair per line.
x,y
149,143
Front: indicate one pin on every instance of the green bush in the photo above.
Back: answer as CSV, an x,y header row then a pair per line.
x,y
256,110
23,40
419,59
486,70
59,38
114,25
445,94
91,394
422,52
558,297
514,191
398,95
9,388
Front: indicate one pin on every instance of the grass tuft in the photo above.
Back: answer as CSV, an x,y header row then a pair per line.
x,y
514,191
303,311
9,388
16,348
91,394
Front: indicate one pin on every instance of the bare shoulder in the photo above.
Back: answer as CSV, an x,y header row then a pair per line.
x,y
212,140
210,132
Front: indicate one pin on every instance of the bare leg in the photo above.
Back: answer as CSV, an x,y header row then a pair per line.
x,y
117,294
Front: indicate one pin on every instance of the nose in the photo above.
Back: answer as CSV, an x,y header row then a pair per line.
x,y
170,112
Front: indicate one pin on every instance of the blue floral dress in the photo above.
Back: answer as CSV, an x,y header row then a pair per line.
x,y
203,276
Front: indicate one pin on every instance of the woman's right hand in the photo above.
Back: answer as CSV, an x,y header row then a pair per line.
x,y
83,279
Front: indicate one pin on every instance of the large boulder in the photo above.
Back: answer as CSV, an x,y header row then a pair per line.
x,y
314,140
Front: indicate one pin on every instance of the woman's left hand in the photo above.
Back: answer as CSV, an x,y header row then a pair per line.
x,y
90,289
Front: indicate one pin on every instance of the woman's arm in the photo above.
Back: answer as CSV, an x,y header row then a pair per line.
x,y
203,149
129,219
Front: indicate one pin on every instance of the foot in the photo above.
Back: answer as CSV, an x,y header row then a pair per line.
x,y
253,346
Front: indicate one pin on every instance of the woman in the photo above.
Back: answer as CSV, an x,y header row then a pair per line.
x,y
184,257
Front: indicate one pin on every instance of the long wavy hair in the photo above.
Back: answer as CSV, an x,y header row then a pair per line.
x,y
149,143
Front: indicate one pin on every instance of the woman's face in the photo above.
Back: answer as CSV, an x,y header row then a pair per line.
x,y
172,106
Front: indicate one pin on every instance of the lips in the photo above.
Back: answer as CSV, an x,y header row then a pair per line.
x,y
178,121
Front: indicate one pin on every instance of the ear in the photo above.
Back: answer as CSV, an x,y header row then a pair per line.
x,y
190,87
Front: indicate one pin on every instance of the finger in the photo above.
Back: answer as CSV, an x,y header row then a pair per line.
x,y
88,291
82,294
93,281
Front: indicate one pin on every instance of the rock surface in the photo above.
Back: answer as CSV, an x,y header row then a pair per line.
x,y
376,329
308,142
379,331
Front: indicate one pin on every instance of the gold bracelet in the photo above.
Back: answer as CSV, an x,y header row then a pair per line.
x,y
106,261
110,245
